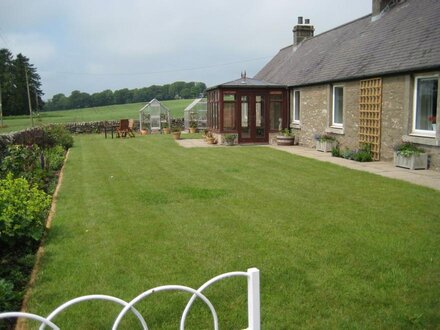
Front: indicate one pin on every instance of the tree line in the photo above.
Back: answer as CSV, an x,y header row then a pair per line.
x,y
13,88
78,99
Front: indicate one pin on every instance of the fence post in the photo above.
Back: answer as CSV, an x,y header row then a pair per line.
x,y
253,299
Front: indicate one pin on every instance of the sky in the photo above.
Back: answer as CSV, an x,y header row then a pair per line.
x,y
93,45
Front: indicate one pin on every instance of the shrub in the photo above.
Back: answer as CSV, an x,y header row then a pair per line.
x,y
230,138
407,149
24,210
336,152
54,158
58,135
347,153
8,296
361,155
286,132
24,161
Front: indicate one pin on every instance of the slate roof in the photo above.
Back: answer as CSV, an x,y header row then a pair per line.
x,y
404,39
247,83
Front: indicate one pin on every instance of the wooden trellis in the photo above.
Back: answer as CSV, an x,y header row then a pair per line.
x,y
370,109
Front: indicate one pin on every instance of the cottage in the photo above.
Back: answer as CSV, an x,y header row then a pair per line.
x,y
373,80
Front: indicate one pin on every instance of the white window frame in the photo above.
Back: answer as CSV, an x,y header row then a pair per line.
x,y
333,123
415,131
295,120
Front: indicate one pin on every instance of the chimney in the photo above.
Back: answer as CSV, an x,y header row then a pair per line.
x,y
379,5
302,31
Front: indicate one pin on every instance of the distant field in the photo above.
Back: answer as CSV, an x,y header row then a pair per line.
x,y
111,112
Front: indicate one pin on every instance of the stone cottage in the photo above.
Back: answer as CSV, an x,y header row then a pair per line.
x,y
373,80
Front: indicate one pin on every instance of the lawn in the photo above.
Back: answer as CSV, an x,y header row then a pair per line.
x,y
112,112
337,248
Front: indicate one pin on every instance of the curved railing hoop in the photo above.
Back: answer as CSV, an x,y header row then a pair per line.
x,y
167,288
77,300
29,316
203,287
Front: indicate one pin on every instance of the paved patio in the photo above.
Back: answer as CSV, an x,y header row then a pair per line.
x,y
425,178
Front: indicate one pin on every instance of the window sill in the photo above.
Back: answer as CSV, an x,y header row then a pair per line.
x,y
335,130
419,139
295,125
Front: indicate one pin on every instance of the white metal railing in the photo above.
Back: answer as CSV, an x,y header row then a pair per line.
x,y
253,280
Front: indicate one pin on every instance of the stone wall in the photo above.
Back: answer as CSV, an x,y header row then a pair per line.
x,y
98,126
397,108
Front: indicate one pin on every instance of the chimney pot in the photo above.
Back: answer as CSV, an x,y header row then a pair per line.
x,y
302,31
307,21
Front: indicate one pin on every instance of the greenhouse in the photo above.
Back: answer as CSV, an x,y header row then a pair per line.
x,y
195,114
154,116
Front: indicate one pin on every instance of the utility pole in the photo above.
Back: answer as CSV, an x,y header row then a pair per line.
x,y
29,98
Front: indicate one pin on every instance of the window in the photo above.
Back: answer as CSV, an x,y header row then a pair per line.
x,y
229,116
338,106
296,107
425,105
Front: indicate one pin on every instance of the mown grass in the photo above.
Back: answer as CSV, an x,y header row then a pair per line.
x,y
112,112
336,248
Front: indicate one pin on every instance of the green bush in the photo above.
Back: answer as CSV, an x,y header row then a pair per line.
x,y
58,135
362,155
347,153
24,210
26,162
408,149
7,295
336,152
54,158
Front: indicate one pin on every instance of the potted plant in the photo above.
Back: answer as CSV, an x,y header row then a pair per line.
x,y
176,133
410,156
285,138
433,120
230,139
193,126
209,138
325,142
165,128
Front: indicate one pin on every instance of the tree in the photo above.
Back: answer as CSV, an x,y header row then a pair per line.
x,y
13,83
79,99
6,78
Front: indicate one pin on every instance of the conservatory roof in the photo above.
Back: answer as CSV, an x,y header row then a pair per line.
x,y
245,82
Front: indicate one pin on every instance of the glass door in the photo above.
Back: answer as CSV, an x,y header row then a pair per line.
x,y
253,126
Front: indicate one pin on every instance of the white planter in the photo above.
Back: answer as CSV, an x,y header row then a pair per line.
x,y
414,162
325,146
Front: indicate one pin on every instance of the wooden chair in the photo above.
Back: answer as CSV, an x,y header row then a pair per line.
x,y
131,127
122,130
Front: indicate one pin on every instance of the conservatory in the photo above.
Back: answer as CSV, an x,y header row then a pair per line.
x,y
255,110
195,114
154,116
